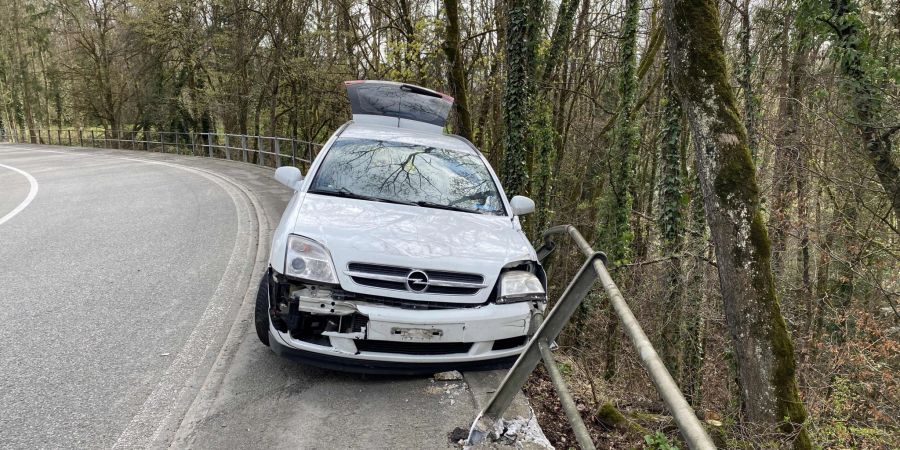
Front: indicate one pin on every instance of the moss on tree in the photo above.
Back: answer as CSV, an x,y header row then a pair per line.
x,y
611,417
762,345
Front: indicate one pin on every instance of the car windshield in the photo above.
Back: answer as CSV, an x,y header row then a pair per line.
x,y
410,174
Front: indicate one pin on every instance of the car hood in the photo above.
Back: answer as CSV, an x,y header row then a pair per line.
x,y
411,237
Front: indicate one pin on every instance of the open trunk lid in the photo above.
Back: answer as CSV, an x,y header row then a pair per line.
x,y
400,105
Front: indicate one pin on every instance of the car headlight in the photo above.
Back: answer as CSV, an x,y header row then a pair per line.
x,y
308,260
520,286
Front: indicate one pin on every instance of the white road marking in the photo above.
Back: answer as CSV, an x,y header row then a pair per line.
x,y
33,190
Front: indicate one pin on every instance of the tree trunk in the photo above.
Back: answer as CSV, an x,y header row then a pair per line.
x,y
788,154
520,58
671,226
694,323
618,234
747,79
457,73
762,346
546,137
23,77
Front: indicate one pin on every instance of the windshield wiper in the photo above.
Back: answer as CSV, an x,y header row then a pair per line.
x,y
346,193
427,204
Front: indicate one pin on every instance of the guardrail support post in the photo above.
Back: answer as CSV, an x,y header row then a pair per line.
x,y
581,432
294,152
549,330
227,148
594,267
259,154
209,144
277,152
244,147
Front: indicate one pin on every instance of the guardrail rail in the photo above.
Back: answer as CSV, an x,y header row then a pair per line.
x,y
270,151
538,349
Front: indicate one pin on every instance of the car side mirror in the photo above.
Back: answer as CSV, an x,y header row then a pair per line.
x,y
289,176
521,205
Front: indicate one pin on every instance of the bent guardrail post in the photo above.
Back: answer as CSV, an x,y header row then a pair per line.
x,y
548,331
594,267
565,399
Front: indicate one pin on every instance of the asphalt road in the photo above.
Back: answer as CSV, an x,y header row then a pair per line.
x,y
104,276
126,289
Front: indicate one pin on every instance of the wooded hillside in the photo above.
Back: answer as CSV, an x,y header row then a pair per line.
x,y
737,161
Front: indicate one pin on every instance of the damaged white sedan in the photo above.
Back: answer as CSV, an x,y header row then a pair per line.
x,y
399,251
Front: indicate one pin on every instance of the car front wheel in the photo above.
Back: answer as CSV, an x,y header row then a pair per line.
x,y
262,310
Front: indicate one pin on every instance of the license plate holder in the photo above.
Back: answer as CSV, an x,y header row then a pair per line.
x,y
445,332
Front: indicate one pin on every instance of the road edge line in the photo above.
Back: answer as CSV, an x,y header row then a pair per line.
x,y
209,391
32,193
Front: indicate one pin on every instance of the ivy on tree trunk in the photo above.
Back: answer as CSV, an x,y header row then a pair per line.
x,y
671,227
615,233
763,349
866,96
521,46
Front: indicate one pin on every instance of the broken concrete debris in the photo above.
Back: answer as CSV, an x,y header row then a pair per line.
x,y
452,375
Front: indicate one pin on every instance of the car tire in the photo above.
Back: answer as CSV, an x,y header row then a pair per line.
x,y
261,316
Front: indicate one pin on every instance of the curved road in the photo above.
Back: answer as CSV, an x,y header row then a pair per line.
x,y
106,278
127,282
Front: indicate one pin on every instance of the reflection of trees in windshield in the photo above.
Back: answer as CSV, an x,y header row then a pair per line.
x,y
408,173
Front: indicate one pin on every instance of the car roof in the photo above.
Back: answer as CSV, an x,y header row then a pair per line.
x,y
407,136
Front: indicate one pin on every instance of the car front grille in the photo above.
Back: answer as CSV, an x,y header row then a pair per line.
x,y
413,348
398,279
340,294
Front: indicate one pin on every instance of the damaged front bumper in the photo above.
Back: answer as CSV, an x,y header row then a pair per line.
x,y
334,328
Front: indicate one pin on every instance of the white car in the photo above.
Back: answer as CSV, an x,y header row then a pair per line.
x,y
399,252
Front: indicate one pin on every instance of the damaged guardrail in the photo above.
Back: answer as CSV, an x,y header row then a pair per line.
x,y
538,349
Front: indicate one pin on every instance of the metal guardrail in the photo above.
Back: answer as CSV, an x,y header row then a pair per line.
x,y
538,349
263,150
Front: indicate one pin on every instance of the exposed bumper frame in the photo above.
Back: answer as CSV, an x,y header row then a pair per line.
x,y
481,326
376,367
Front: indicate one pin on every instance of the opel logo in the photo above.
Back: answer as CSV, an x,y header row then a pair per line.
x,y
417,281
